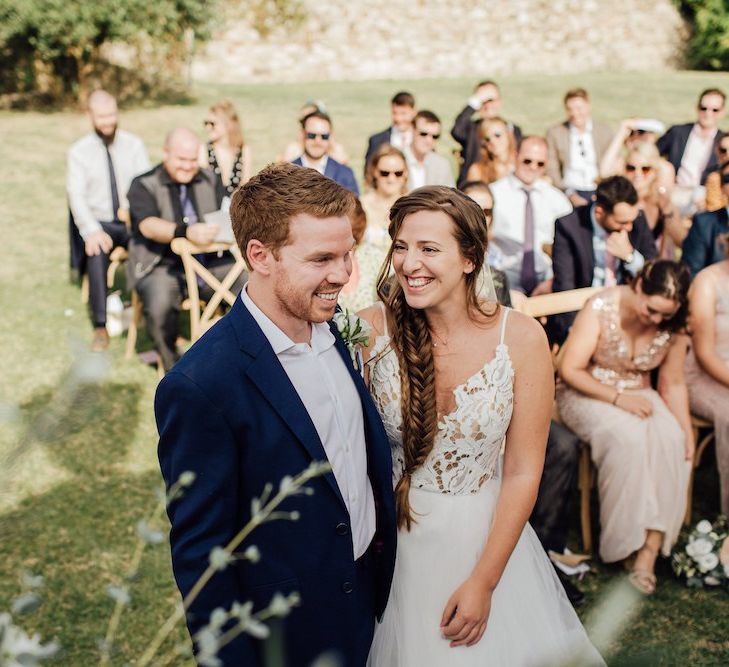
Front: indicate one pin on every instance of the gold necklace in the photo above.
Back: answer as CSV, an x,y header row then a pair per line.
x,y
440,340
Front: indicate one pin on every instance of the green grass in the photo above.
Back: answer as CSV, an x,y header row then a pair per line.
x,y
85,470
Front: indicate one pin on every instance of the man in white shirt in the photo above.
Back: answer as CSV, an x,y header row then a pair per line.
x,y
101,166
425,166
400,133
268,390
525,208
576,147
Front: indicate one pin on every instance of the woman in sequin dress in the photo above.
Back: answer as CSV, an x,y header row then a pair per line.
x,y
225,152
707,366
640,439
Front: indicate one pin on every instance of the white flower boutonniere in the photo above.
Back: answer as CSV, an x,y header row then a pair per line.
x,y
355,332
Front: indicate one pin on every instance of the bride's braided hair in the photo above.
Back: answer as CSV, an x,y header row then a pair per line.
x,y
411,337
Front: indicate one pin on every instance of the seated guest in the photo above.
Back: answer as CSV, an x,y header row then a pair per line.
x,y
632,133
704,244
576,147
296,148
715,197
642,165
364,263
483,104
640,439
167,202
707,366
101,165
601,244
400,133
316,133
425,166
480,192
225,152
498,152
525,208
691,149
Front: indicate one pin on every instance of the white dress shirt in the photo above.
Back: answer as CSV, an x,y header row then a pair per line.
x,y
695,158
401,140
582,171
326,389
87,179
548,204
320,165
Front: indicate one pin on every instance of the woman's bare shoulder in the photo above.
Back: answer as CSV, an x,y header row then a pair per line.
x,y
525,337
374,315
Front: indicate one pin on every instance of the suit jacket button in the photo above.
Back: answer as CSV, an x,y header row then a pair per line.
x,y
347,587
342,529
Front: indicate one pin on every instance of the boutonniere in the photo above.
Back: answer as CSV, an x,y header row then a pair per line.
x,y
355,333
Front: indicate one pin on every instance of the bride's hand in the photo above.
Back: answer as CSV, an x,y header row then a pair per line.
x,y
466,614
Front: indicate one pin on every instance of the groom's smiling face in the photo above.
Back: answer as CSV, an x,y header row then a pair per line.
x,y
313,266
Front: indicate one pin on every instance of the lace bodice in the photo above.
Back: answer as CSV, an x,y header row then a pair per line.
x,y
611,363
468,443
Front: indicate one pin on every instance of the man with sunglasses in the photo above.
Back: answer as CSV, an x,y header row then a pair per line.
x,y
707,238
525,208
425,166
316,131
691,148
485,103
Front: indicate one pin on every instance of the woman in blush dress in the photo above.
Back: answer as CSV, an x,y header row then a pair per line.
x,y
225,152
455,378
640,439
707,366
498,152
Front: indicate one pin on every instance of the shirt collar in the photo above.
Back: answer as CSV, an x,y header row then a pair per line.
x,y
320,165
321,336
588,128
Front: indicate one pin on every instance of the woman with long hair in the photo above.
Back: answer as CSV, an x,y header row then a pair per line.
x,y
640,439
498,152
455,377
225,151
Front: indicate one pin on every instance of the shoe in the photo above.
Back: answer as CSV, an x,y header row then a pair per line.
x,y
644,581
574,594
100,341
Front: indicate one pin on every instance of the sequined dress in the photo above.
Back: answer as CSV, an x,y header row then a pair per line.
x,y
235,174
642,474
454,496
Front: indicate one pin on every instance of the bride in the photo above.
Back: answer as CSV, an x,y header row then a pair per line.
x,y
453,377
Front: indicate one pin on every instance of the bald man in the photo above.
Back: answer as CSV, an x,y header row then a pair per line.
x,y
167,202
101,166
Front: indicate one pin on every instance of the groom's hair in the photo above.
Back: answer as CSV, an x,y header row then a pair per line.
x,y
263,208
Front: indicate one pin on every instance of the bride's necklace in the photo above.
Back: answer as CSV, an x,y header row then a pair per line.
x,y
438,340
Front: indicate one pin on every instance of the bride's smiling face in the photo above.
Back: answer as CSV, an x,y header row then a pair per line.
x,y
427,260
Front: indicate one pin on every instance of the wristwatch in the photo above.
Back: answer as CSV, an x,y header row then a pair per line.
x,y
629,258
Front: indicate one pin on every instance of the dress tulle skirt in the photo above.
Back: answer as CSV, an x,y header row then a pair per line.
x,y
531,621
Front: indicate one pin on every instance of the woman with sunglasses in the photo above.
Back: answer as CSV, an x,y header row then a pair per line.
x,y
498,152
640,439
642,169
715,197
296,148
707,366
225,151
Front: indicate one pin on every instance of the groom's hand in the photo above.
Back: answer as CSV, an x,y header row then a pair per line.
x,y
466,614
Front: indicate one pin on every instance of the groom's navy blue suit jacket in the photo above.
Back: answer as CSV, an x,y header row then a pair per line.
x,y
228,412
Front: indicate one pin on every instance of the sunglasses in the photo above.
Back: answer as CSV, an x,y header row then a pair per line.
x,y
538,163
488,212
429,134
712,109
725,178
630,168
209,123
722,150
314,135
398,174
637,132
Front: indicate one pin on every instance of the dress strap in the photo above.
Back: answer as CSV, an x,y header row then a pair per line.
x,y
384,317
504,317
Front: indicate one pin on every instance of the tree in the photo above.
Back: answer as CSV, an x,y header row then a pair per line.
x,y
708,47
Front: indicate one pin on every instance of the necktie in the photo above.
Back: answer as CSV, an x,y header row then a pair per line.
x,y
189,216
114,190
528,271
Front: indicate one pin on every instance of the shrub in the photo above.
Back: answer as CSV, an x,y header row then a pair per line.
x,y
708,47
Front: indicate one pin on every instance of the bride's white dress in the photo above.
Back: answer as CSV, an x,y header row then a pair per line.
x,y
453,496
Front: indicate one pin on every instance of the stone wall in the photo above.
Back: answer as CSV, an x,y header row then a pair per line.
x,y
389,39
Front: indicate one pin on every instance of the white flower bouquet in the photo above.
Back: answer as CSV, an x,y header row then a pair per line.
x,y
704,559
355,332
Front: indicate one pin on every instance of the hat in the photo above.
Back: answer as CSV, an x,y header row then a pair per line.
x,y
649,125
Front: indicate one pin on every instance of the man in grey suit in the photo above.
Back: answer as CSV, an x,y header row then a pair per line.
x,y
425,166
576,147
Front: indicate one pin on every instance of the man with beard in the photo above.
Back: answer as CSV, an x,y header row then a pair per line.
x,y
101,166
269,389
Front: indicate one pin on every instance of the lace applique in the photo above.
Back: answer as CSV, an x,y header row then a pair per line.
x,y
468,443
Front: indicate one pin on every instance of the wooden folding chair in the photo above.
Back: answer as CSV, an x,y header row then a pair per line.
x,y
557,303
698,424
204,315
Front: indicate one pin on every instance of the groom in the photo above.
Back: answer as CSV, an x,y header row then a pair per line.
x,y
269,389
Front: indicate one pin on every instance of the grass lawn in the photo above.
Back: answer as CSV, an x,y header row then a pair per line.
x,y
78,442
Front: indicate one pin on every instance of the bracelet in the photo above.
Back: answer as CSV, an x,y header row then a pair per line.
x,y
618,392
180,230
